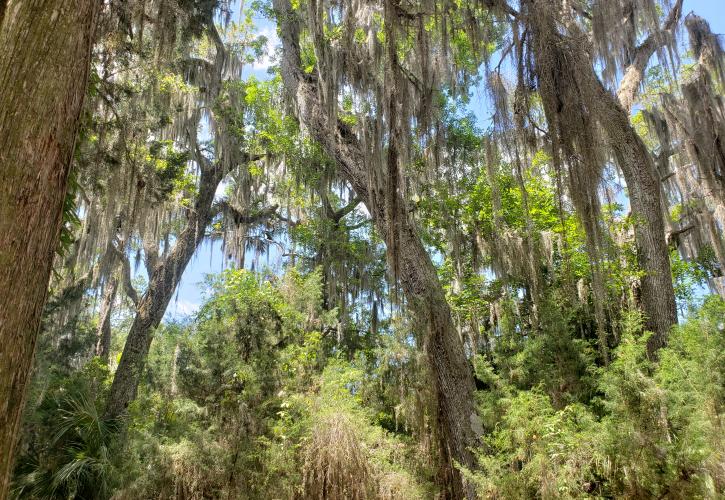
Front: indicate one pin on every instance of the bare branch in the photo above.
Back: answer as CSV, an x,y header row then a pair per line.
x,y
674,236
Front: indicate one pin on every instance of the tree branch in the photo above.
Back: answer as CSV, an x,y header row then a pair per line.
x,y
634,74
201,160
243,217
126,274
350,207
151,256
502,6
674,236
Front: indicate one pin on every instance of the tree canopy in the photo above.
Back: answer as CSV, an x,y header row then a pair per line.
x,y
467,250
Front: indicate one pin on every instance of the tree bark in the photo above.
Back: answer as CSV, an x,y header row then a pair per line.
x,y
632,156
162,284
44,64
418,277
103,345
640,174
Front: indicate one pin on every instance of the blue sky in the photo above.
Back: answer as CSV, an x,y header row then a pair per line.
x,y
712,10
208,258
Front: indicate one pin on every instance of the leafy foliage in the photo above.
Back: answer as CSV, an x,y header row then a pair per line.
x,y
649,431
311,378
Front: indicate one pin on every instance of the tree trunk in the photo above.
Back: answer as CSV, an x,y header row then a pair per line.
x,y
418,277
103,345
643,183
164,275
44,63
453,379
567,59
162,284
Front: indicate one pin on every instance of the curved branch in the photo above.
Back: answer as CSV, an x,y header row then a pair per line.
x,y
350,207
634,74
126,275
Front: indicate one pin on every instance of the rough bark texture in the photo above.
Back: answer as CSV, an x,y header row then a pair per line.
x,y
44,62
417,275
572,67
640,174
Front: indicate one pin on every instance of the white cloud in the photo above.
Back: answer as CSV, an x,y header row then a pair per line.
x,y
179,309
273,42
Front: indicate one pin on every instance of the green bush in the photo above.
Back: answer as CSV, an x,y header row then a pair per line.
x,y
654,431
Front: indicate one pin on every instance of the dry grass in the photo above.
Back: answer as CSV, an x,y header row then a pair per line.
x,y
336,466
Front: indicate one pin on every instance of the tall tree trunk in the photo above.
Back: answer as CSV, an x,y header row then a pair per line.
x,y
643,183
164,275
564,64
418,277
646,194
162,284
44,63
